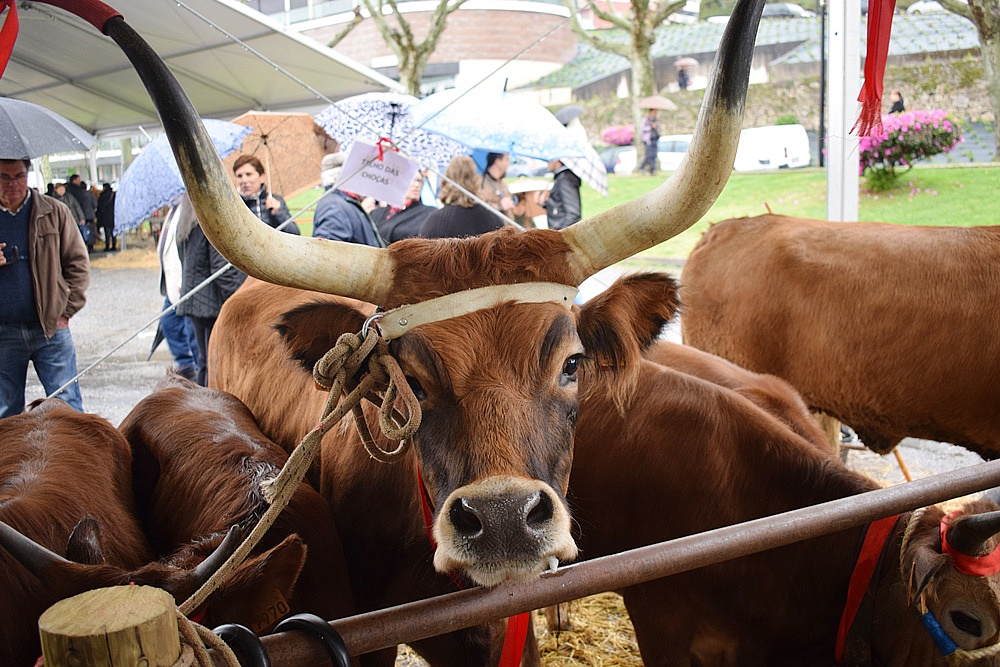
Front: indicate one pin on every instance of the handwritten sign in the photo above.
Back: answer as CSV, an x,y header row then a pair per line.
x,y
385,180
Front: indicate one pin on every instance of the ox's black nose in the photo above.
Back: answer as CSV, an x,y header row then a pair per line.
x,y
506,519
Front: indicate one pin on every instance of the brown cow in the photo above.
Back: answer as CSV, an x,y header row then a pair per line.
x,y
66,485
198,461
771,393
495,367
889,328
698,456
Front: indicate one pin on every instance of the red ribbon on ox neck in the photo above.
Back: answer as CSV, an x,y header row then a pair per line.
x,y
880,14
973,566
517,625
8,33
876,535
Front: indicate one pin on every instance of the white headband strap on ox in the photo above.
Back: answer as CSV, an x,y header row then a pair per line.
x,y
396,322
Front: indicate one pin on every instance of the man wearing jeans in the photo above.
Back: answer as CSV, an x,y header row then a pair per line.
x,y
44,273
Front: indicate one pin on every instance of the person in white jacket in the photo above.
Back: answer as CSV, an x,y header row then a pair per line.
x,y
176,329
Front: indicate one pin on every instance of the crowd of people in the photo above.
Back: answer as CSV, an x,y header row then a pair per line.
x,y
47,238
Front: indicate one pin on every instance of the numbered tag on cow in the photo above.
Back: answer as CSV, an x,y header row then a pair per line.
x,y
384,178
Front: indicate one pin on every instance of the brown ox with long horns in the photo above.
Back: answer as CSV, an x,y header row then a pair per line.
x,y
889,328
496,375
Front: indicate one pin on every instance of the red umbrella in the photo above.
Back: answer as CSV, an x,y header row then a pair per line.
x,y
685,62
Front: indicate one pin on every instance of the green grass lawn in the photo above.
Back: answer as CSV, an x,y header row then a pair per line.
x,y
924,196
943,195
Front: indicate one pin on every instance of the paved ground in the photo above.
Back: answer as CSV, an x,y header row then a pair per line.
x,y
121,301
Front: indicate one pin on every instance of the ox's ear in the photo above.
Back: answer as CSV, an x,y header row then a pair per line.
x,y
259,592
617,325
84,543
311,330
921,557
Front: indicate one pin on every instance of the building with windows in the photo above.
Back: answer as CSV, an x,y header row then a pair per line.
x,y
500,42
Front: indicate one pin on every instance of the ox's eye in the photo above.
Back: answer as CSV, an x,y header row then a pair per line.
x,y
967,624
570,368
418,391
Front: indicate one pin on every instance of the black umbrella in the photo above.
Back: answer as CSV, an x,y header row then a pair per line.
x,y
566,114
28,130
157,339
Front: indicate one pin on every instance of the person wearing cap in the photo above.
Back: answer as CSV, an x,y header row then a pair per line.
x,y
44,274
267,206
340,215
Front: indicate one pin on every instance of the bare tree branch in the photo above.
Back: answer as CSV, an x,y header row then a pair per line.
x,y
358,18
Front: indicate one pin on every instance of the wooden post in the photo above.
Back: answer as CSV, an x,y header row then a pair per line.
x,y
111,627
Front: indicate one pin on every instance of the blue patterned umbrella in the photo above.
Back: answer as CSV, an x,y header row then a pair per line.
x,y
498,122
153,180
373,115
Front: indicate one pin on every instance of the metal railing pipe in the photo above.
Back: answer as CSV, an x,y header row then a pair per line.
x,y
426,618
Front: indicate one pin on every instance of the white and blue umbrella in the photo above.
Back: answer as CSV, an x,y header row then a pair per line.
x,y
370,116
153,179
497,122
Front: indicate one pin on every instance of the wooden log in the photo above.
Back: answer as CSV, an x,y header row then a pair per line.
x,y
111,627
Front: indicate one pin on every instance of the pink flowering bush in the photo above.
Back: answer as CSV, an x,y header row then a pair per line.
x,y
619,135
905,138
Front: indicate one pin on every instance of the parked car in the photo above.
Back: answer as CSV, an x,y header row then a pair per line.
x,y
786,10
670,150
760,148
526,166
772,147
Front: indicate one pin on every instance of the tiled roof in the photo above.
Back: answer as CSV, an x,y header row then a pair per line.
x,y
922,33
941,31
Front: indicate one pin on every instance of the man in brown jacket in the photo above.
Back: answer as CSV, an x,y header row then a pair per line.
x,y
44,273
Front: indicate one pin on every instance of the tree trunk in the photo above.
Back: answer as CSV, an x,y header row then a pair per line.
x,y
643,85
990,48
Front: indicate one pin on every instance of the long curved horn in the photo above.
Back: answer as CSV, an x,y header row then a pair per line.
x,y
678,203
969,533
334,267
33,556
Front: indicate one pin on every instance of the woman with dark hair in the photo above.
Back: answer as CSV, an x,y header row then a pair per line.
x,y
897,102
460,215
267,206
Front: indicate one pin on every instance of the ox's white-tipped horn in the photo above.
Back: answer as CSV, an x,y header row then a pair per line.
x,y
674,206
254,247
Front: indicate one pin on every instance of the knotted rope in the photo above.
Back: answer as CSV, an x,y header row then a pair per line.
x,y
196,640
335,372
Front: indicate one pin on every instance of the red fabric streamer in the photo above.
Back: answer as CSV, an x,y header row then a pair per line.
x,y
973,566
8,33
879,27
875,538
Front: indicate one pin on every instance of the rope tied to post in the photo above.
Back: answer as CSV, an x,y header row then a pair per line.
x,y
382,384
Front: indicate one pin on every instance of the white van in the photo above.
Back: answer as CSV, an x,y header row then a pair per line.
x,y
773,147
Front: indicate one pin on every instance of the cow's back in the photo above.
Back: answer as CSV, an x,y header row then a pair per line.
x,y
767,391
889,328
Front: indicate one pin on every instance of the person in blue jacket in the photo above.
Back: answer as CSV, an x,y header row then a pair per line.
x,y
339,215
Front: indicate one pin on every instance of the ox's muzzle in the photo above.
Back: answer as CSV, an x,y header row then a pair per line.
x,y
502,528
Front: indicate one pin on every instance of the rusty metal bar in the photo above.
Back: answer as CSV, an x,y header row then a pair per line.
x,y
427,618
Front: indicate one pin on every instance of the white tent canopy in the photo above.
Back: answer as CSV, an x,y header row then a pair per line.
x,y
64,64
